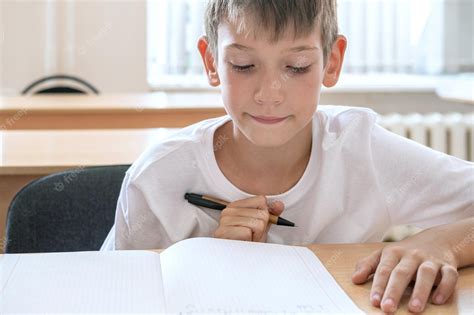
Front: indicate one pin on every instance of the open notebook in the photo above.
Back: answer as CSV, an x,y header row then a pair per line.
x,y
198,275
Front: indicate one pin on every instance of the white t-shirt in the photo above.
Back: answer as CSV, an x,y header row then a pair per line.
x,y
360,180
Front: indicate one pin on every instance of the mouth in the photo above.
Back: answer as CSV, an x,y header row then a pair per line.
x,y
269,120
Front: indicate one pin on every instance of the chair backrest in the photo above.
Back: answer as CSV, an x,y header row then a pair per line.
x,y
61,84
68,211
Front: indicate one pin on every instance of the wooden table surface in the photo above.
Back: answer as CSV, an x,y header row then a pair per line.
x,y
340,260
28,154
106,111
46,151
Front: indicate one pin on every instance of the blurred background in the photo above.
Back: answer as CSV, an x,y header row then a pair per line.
x,y
138,46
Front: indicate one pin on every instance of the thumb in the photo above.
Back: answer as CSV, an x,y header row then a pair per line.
x,y
276,207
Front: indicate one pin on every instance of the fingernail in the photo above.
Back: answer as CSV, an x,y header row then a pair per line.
x,y
388,305
439,299
376,297
272,204
416,304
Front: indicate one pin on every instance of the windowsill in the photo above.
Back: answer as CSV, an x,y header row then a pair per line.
x,y
348,83
385,83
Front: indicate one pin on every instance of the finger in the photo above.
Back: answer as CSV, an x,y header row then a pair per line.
x,y
388,261
256,225
365,267
397,283
425,279
449,277
234,233
257,202
246,212
259,214
276,207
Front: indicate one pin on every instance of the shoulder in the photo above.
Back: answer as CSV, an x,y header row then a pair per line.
x,y
344,124
176,150
336,118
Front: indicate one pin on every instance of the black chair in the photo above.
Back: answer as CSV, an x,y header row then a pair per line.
x,y
68,211
68,84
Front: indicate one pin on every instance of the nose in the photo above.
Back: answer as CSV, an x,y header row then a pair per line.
x,y
269,89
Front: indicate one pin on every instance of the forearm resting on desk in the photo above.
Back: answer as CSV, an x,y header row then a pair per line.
x,y
461,237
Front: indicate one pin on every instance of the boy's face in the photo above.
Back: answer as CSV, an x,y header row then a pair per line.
x,y
270,89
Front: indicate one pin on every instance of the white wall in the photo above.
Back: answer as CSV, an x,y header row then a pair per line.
x,y
103,42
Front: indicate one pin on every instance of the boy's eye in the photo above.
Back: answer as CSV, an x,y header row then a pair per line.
x,y
298,69
247,68
241,68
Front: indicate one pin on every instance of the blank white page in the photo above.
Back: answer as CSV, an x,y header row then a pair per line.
x,y
81,282
215,275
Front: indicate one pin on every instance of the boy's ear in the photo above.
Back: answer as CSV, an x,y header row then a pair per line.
x,y
334,62
209,61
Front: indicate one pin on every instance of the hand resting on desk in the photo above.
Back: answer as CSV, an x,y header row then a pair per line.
x,y
430,258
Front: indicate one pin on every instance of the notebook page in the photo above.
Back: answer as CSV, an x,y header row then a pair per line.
x,y
6,268
81,282
216,275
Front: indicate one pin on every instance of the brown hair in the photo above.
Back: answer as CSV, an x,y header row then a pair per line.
x,y
275,16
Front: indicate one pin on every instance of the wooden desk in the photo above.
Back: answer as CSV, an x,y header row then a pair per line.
x,y
27,155
149,110
340,260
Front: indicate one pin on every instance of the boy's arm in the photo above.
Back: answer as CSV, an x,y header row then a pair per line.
x,y
461,236
135,226
424,188
420,186
430,257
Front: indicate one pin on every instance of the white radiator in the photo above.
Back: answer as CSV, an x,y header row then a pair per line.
x,y
451,133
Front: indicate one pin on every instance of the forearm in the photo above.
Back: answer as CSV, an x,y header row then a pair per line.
x,y
460,236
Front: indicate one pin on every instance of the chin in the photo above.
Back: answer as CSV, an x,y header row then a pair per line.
x,y
268,139
269,135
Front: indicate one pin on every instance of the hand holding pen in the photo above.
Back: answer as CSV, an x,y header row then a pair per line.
x,y
247,219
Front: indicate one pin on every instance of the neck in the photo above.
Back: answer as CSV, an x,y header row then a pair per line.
x,y
275,170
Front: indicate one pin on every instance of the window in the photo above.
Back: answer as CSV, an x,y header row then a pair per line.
x,y
431,37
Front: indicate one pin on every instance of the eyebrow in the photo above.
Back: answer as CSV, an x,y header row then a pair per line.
x,y
302,48
293,49
238,46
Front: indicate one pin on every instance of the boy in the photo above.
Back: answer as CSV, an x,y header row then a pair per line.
x,y
334,172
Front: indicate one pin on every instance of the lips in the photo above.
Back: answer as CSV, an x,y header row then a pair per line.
x,y
269,119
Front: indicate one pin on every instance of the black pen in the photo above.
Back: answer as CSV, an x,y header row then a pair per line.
x,y
217,204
